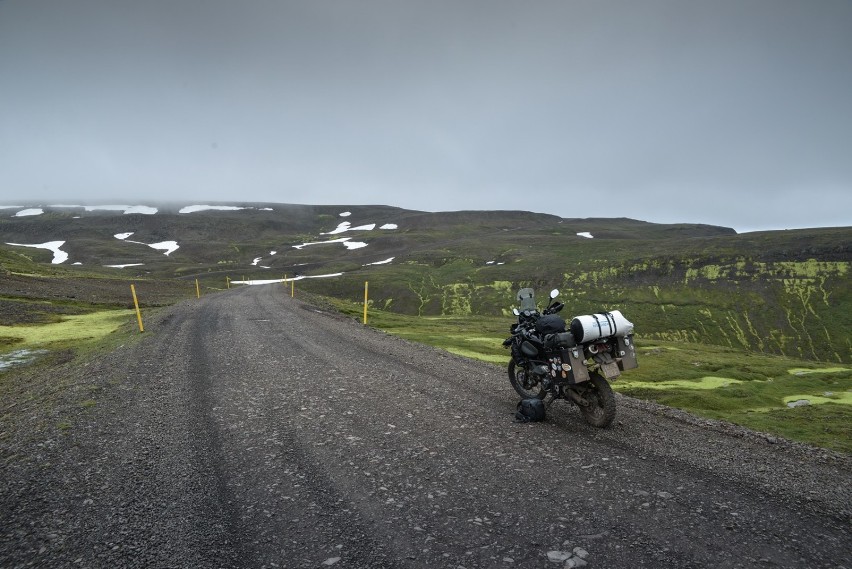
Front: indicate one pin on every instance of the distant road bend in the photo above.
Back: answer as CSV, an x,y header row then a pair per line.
x,y
248,429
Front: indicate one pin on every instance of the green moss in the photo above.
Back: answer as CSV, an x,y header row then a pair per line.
x,y
71,329
708,382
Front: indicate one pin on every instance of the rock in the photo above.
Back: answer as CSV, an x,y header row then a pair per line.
x,y
799,403
665,495
331,561
580,552
558,556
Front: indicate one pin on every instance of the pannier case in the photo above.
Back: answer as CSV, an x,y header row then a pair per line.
x,y
573,357
626,353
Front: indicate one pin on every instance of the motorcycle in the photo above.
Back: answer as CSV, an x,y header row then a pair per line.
x,y
575,362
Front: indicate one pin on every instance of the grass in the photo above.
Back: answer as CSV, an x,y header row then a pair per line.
x,y
738,386
71,331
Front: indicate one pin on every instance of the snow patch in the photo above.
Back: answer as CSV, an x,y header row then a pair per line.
x,y
389,226
346,226
345,214
585,234
123,266
30,211
59,256
143,209
340,240
385,262
273,281
354,245
195,208
169,247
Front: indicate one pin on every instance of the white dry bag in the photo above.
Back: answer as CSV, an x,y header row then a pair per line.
x,y
602,325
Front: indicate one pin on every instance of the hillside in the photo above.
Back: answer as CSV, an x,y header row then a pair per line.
x,y
780,292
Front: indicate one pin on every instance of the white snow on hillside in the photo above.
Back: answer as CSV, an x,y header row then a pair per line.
x,y
143,209
28,212
585,234
347,242
195,208
168,246
273,281
385,262
389,226
59,256
345,214
123,266
11,206
346,226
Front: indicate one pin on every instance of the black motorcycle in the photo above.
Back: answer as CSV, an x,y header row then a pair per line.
x,y
574,363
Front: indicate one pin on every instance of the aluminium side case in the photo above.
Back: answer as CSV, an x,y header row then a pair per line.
x,y
626,356
573,366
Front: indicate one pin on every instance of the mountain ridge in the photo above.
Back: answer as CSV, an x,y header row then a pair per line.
x,y
783,292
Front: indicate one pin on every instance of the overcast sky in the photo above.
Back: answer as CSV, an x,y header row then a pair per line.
x,y
727,112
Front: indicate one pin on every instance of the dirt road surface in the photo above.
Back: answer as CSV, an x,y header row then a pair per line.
x,y
248,429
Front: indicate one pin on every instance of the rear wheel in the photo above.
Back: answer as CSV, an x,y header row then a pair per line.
x,y
601,410
527,386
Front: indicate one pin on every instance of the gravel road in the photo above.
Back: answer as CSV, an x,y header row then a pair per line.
x,y
249,429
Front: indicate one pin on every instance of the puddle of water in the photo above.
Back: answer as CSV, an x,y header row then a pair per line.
x,y
19,357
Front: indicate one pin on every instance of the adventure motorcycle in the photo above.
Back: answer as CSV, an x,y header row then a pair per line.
x,y
575,363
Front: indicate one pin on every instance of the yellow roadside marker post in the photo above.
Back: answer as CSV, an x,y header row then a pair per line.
x,y
292,288
136,304
228,281
366,284
197,289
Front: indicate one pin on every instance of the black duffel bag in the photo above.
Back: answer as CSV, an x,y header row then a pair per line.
x,y
530,410
550,324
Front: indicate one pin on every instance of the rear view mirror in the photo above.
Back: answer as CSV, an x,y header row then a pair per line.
x,y
516,312
554,293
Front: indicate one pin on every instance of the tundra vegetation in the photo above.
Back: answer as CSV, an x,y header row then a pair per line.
x,y
736,327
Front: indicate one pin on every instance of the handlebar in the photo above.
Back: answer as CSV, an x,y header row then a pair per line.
x,y
555,308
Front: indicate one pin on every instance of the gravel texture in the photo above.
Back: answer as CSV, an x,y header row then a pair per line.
x,y
249,429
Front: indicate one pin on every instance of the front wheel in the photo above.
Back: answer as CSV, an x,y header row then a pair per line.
x,y
601,410
527,386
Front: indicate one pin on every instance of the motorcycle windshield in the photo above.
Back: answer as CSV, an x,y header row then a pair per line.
x,y
526,296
